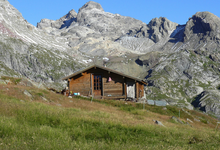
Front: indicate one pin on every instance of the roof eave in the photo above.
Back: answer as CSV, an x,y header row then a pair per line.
x,y
104,68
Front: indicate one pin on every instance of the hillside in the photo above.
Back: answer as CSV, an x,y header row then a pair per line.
x,y
33,118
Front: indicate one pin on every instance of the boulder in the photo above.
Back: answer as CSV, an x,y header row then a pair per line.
x,y
28,93
176,120
158,123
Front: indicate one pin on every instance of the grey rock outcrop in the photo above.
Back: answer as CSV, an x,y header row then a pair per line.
x,y
28,51
208,101
94,17
65,21
204,25
176,120
28,94
157,29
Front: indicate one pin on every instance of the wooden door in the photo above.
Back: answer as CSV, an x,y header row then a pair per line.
x,y
97,85
131,89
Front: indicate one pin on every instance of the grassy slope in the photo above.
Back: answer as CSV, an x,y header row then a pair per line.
x,y
64,123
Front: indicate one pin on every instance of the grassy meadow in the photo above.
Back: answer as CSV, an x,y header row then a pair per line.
x,y
51,121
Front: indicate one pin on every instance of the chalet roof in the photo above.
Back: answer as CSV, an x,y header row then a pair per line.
x,y
103,68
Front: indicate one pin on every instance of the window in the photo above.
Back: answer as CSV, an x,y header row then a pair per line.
x,y
97,82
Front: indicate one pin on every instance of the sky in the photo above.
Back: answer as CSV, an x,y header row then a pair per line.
x,y
178,11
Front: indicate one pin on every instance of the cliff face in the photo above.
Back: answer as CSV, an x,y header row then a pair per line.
x,y
28,51
191,66
179,61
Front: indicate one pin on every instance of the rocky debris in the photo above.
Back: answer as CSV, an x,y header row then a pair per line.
x,y
150,37
43,98
25,82
187,112
149,60
59,105
189,120
164,108
158,123
187,123
77,32
197,120
27,93
188,105
193,91
176,120
217,125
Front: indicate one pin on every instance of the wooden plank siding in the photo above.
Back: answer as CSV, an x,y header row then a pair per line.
x,y
136,90
125,90
114,86
141,90
80,84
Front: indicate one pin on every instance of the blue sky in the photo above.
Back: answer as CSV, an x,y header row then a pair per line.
x,y
175,10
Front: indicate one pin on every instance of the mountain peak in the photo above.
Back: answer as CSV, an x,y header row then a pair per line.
x,y
204,23
205,14
71,14
91,5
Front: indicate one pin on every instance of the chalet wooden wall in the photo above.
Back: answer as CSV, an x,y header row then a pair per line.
x,y
141,90
110,88
81,84
113,85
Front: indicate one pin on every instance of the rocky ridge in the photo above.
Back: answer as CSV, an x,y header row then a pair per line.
x,y
180,62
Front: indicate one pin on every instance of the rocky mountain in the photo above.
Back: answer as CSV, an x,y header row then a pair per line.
x,y
188,72
181,63
30,52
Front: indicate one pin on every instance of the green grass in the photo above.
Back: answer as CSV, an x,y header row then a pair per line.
x,y
49,128
12,80
34,125
135,108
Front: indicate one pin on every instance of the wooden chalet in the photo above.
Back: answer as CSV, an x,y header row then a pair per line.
x,y
104,83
